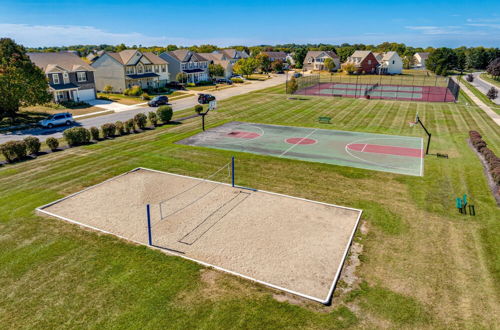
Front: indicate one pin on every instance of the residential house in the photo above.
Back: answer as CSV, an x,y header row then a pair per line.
x,y
274,56
232,55
222,60
364,60
420,59
130,68
390,63
69,77
94,55
192,64
315,60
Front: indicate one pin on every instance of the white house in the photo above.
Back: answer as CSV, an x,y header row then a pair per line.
x,y
315,60
390,63
420,59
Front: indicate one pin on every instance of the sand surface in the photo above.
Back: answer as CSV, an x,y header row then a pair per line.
x,y
292,243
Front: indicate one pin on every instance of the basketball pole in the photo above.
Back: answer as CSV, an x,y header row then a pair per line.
x,y
428,135
148,212
232,171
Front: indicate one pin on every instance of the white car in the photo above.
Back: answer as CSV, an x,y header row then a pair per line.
x,y
57,120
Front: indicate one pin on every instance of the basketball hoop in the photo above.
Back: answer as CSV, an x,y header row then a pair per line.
x,y
412,123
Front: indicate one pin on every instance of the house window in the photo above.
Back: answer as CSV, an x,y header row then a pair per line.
x,y
81,76
157,69
393,61
55,79
139,69
130,70
369,61
163,68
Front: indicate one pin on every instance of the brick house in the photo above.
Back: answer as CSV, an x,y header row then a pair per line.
x,y
364,60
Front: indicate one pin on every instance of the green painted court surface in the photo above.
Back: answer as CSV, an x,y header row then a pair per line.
x,y
378,152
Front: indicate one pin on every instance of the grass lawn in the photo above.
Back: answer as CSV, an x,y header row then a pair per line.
x,y
209,87
81,110
258,76
120,98
422,264
490,79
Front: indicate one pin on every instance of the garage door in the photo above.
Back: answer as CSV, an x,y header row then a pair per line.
x,y
86,94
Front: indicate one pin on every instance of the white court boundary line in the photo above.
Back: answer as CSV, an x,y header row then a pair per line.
x,y
386,165
325,300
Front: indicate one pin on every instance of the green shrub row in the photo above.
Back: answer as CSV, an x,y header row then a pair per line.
x,y
18,150
488,154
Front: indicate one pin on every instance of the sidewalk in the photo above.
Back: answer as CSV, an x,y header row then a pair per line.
x,y
492,114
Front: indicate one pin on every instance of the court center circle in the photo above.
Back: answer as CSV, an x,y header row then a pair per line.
x,y
300,140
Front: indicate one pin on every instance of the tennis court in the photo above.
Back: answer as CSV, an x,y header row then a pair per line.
x,y
288,243
379,152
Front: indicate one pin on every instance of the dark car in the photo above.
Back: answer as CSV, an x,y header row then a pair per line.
x,y
297,75
205,98
224,81
158,100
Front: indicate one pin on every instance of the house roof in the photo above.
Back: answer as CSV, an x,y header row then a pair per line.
x,y
193,70
62,61
361,54
184,55
153,58
423,55
125,55
223,63
213,56
142,75
60,87
316,53
387,56
275,54
232,53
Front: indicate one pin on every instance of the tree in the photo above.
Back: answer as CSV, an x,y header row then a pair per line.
x,y
264,62
329,64
494,68
292,86
299,56
246,66
277,66
492,93
215,70
108,89
469,77
181,77
22,83
349,67
408,61
441,61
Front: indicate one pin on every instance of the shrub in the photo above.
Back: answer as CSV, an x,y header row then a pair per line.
x,y
108,89
126,91
32,145
135,91
190,84
237,80
108,130
13,150
145,97
74,104
129,126
165,113
120,128
52,143
198,108
292,86
153,118
492,93
141,120
469,77
76,136
94,132
495,173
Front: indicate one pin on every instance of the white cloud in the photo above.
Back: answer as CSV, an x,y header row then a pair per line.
x,y
493,26
435,30
65,35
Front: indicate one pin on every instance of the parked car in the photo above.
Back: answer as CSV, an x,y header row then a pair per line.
x,y
237,76
205,98
158,100
64,118
223,81
297,75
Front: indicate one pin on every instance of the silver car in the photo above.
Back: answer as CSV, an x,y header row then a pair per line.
x,y
57,120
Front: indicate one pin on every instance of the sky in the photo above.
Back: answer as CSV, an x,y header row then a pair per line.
x,y
223,23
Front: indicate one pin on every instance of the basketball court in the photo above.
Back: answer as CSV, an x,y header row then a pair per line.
x,y
288,243
379,152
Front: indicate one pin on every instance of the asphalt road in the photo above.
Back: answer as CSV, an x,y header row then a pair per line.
x,y
483,86
178,105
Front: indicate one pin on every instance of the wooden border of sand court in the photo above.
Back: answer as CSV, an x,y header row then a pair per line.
x,y
325,300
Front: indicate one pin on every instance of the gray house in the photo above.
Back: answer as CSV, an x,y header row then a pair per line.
x,y
232,55
130,68
70,78
192,64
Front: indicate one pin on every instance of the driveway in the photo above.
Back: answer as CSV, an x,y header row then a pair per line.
x,y
483,86
123,114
